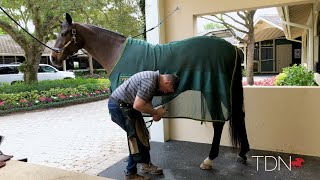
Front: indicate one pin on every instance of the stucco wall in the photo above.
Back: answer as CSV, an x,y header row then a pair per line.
x,y
182,24
277,119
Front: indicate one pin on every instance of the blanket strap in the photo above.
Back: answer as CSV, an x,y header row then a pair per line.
x,y
233,74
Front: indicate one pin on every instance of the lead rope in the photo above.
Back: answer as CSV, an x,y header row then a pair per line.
x,y
157,24
53,49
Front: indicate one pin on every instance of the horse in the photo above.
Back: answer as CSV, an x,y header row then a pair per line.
x,y
219,75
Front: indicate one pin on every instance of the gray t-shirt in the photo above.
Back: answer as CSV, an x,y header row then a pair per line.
x,y
144,84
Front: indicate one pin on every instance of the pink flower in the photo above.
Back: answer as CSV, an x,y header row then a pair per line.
x,y
62,96
264,82
49,99
75,95
42,99
23,101
1,103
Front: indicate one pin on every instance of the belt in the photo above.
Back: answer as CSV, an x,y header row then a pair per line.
x,y
119,102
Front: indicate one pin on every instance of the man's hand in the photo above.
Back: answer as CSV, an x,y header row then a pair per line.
x,y
161,111
156,118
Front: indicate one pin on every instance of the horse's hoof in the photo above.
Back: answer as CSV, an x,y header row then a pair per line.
x,y
242,159
204,166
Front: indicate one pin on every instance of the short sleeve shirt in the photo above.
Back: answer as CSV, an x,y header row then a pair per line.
x,y
144,84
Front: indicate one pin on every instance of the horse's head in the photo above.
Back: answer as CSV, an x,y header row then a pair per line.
x,y
67,42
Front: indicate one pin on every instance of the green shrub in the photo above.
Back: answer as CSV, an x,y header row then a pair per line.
x,y
49,84
244,72
296,75
97,73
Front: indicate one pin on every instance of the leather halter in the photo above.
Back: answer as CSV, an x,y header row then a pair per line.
x,y
73,39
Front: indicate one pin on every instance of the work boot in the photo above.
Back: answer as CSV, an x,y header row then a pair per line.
x,y
135,176
151,169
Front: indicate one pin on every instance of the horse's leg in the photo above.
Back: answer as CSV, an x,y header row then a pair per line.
x,y
214,152
244,144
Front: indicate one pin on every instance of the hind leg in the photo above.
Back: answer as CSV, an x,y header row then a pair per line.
x,y
214,152
244,145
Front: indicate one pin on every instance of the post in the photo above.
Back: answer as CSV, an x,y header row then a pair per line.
x,y
159,131
90,65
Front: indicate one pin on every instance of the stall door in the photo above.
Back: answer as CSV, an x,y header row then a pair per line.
x,y
284,56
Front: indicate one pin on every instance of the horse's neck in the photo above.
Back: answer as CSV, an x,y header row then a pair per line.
x,y
103,45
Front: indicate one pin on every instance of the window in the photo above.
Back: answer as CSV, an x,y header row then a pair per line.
x,y
9,59
266,59
44,60
46,69
256,54
9,70
266,53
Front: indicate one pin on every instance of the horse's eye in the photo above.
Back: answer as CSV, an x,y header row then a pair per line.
x,y
62,34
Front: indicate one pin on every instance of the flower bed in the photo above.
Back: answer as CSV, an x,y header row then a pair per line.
x,y
52,96
296,75
264,82
66,102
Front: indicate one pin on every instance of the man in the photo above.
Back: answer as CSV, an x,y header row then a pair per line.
x,y
3,157
126,105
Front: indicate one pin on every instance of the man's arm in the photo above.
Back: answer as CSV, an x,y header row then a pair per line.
x,y
146,107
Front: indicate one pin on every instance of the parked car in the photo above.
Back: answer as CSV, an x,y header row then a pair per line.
x,y
9,73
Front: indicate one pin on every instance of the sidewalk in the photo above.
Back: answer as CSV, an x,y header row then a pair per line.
x,y
79,138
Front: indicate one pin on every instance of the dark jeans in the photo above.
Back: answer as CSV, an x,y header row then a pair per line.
x,y
119,118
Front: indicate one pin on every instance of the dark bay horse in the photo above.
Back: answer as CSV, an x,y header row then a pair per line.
x,y
215,71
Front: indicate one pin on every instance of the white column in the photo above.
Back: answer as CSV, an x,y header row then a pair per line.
x,y
153,18
64,65
159,131
310,42
310,50
90,65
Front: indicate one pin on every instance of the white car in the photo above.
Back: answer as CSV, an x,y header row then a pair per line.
x,y
9,73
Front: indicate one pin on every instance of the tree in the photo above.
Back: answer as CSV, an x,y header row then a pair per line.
x,y
117,15
2,32
142,7
213,26
122,16
244,25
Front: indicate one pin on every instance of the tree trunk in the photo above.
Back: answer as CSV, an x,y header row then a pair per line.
x,y
30,67
249,69
142,4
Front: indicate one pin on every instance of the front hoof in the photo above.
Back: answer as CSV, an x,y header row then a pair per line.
x,y
242,160
204,166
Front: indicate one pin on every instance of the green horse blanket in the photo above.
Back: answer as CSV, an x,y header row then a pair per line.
x,y
205,66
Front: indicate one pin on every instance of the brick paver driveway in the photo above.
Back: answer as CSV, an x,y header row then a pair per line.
x,y
79,138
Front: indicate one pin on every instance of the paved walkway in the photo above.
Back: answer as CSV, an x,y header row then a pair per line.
x,y
80,138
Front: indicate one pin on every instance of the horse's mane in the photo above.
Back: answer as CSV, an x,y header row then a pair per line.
x,y
102,30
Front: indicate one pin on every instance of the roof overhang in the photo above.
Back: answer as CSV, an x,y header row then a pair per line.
x,y
295,19
266,28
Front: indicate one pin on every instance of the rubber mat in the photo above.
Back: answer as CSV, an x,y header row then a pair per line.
x,y
181,160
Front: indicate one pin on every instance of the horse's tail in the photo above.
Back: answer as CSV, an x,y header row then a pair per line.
x,y
237,121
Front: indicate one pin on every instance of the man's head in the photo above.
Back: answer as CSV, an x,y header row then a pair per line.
x,y
168,83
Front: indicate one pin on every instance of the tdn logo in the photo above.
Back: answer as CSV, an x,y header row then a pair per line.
x,y
277,161
297,162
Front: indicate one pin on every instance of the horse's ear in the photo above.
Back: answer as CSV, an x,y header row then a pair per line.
x,y
68,18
